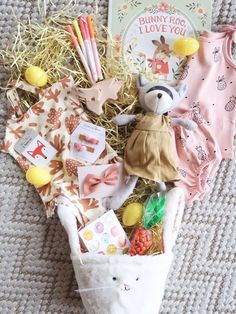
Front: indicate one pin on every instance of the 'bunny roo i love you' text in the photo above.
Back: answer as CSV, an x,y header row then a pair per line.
x,y
163,24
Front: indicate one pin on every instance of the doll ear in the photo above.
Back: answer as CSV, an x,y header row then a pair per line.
x,y
142,81
182,90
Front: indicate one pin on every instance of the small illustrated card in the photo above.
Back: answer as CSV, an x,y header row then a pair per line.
x,y
105,235
100,181
35,148
87,142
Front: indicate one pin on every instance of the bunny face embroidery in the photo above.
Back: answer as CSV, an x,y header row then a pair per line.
x,y
122,284
126,284
116,279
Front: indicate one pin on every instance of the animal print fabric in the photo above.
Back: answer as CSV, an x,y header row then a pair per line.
x,y
55,116
211,103
211,96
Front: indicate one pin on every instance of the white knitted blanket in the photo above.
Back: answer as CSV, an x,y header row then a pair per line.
x,y
36,274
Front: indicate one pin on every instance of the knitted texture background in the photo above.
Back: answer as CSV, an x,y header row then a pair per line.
x,y
36,274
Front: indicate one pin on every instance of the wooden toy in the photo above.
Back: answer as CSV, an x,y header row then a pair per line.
x,y
99,93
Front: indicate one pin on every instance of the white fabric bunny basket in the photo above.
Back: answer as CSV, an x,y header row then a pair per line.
x,y
124,284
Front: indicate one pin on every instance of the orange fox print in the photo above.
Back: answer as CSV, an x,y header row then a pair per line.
x,y
38,151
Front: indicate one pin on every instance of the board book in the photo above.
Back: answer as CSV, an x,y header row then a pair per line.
x,y
144,31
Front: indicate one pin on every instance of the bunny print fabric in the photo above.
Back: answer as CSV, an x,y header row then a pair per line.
x,y
210,101
197,160
55,116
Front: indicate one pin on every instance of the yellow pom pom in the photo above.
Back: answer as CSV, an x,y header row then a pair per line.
x,y
36,76
38,176
132,214
185,46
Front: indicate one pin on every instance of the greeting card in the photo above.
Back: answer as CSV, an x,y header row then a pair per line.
x,y
105,235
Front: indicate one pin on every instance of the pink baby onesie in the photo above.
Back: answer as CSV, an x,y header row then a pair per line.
x,y
210,102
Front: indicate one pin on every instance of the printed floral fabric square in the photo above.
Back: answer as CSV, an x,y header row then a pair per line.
x,y
55,116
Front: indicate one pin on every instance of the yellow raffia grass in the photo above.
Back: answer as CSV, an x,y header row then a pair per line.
x,y
48,46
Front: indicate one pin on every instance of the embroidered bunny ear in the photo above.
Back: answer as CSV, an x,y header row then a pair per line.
x,y
173,216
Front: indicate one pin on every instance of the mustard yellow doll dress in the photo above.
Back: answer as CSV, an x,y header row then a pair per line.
x,y
148,153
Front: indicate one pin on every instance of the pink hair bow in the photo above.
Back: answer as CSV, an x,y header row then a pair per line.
x,y
92,181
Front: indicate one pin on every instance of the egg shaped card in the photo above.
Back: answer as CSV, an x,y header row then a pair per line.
x,y
144,32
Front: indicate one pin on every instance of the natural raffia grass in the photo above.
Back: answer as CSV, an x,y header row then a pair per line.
x,y
48,46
